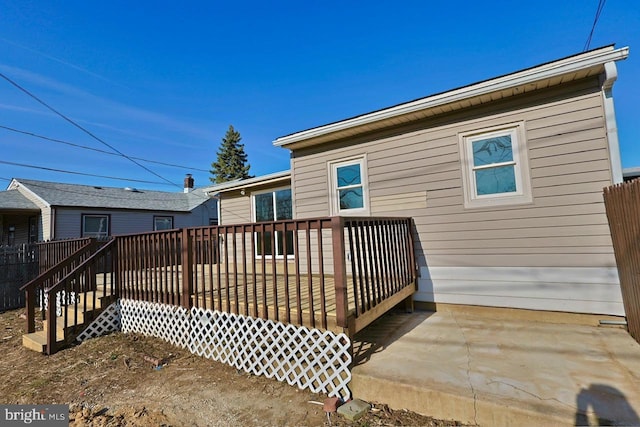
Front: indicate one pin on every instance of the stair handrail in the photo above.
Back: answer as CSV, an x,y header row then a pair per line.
x,y
50,314
30,287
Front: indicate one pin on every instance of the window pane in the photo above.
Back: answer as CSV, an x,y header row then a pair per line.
x,y
283,204
163,223
349,175
496,180
351,198
95,226
264,207
492,150
267,243
280,242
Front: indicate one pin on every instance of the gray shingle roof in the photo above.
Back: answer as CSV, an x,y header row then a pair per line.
x,y
86,196
13,199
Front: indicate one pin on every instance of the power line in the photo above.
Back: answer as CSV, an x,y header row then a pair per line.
x,y
593,27
35,135
82,128
82,173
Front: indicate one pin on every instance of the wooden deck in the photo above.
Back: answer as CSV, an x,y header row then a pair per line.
x,y
296,299
270,300
342,274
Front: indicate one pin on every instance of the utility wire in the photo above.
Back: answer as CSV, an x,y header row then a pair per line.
x,y
593,26
35,135
81,173
83,129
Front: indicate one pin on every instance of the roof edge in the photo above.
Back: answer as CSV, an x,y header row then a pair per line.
x,y
249,182
540,72
16,184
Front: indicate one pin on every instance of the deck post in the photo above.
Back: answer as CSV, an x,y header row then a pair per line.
x,y
30,301
52,325
339,271
187,269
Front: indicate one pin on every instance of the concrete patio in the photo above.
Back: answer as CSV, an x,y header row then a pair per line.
x,y
500,367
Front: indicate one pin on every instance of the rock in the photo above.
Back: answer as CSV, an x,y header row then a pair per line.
x,y
354,409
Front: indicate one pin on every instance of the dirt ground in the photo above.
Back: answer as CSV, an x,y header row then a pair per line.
x,y
113,381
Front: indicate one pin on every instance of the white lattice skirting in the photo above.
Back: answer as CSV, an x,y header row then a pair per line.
x,y
308,358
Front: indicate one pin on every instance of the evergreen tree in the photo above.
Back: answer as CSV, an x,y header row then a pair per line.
x,y
232,160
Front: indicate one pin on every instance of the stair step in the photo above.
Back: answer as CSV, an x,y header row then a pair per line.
x,y
60,331
36,341
99,293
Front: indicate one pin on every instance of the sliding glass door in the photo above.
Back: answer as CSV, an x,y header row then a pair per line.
x,y
273,205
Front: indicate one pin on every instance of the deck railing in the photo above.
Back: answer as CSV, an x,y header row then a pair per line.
x,y
53,252
80,295
382,266
323,272
332,273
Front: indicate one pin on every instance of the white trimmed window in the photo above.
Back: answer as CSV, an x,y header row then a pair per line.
x,y
95,225
495,166
349,192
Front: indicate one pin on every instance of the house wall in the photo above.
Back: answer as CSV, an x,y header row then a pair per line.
x,y
552,254
45,231
68,221
235,208
199,216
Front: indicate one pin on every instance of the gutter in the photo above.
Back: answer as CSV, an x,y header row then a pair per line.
x,y
546,71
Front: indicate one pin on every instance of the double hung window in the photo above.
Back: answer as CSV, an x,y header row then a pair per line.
x,y
349,187
495,167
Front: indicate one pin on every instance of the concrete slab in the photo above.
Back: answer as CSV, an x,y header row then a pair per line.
x,y
491,371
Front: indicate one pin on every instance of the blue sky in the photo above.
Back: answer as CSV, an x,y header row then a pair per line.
x,y
162,81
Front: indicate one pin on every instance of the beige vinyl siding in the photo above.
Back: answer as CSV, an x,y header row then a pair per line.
x,y
44,227
420,168
569,164
46,232
235,208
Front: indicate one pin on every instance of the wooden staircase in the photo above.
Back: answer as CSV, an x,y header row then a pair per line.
x,y
78,289
75,324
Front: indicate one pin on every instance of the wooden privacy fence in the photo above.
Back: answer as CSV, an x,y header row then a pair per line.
x,y
332,273
622,203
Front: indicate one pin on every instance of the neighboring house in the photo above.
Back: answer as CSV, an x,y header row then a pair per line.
x,y
38,210
503,179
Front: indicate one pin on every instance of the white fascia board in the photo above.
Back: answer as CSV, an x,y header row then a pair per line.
x,y
250,182
27,192
542,72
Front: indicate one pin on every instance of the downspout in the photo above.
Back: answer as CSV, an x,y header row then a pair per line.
x,y
609,77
